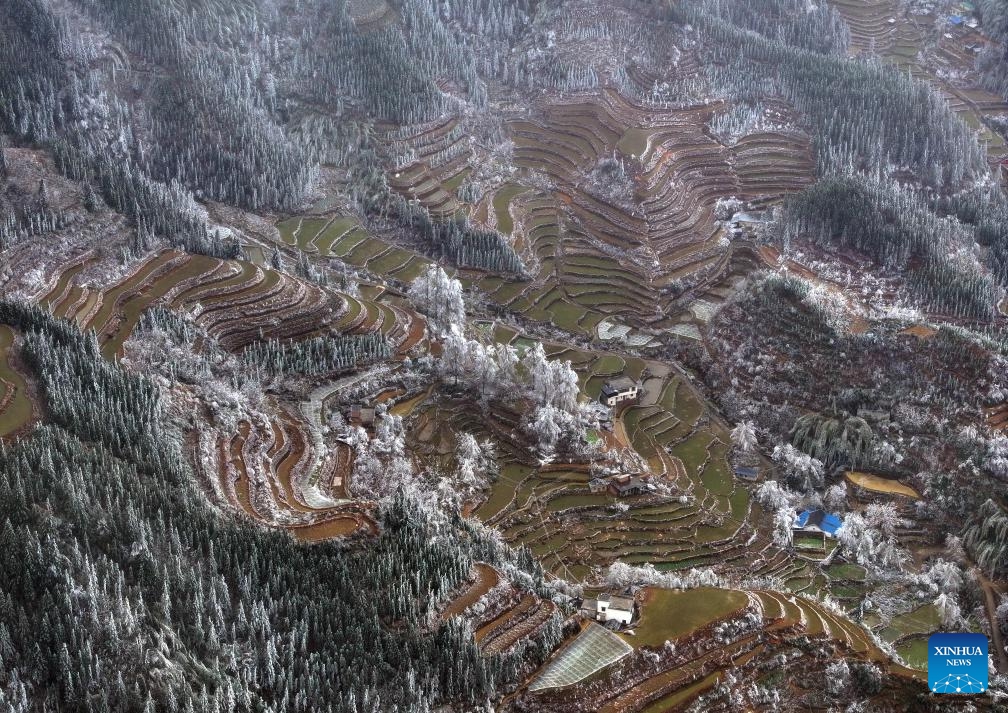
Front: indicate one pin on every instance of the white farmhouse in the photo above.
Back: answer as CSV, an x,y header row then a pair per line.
x,y
609,607
619,390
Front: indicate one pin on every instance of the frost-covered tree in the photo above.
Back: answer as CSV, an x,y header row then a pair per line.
x,y
857,538
943,576
996,457
743,436
871,540
477,465
838,678
439,296
773,496
885,518
552,382
948,610
799,469
783,526
835,498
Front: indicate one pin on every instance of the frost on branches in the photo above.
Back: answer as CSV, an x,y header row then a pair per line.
x,y
439,296
743,437
476,467
380,465
800,470
557,420
871,539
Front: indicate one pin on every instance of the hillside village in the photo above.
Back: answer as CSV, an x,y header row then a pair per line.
x,y
512,355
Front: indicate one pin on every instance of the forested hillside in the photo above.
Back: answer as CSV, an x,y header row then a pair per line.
x,y
512,355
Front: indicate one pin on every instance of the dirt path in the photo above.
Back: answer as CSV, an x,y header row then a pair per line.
x,y
486,579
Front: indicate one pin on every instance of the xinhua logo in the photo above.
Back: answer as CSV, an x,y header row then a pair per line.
x,y
957,663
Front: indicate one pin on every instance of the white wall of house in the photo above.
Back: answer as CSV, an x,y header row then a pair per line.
x,y
621,396
605,613
620,615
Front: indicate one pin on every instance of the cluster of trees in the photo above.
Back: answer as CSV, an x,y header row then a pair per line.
x,y
888,119
221,84
870,539
209,115
889,128
818,28
462,243
476,467
557,420
799,469
769,349
121,589
739,120
52,98
994,15
36,218
496,371
497,19
993,59
320,355
381,465
986,538
893,225
834,439
439,296
454,239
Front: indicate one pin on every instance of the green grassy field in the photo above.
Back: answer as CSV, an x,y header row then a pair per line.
x,y
670,614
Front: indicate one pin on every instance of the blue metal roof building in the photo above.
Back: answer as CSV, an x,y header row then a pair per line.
x,y
818,521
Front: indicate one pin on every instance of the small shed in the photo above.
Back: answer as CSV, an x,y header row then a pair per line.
x,y
747,472
609,607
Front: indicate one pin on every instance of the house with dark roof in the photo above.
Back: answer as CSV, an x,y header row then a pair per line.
x,y
618,390
817,521
624,485
609,607
746,472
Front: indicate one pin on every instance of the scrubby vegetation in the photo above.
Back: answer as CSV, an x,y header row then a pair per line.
x,y
85,496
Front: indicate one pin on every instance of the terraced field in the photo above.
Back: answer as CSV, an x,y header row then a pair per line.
x,y
591,258
670,614
886,28
869,23
485,578
684,672
701,518
237,302
277,474
601,257
515,624
342,237
429,163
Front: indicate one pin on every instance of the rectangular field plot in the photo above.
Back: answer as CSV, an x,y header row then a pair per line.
x,y
595,648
